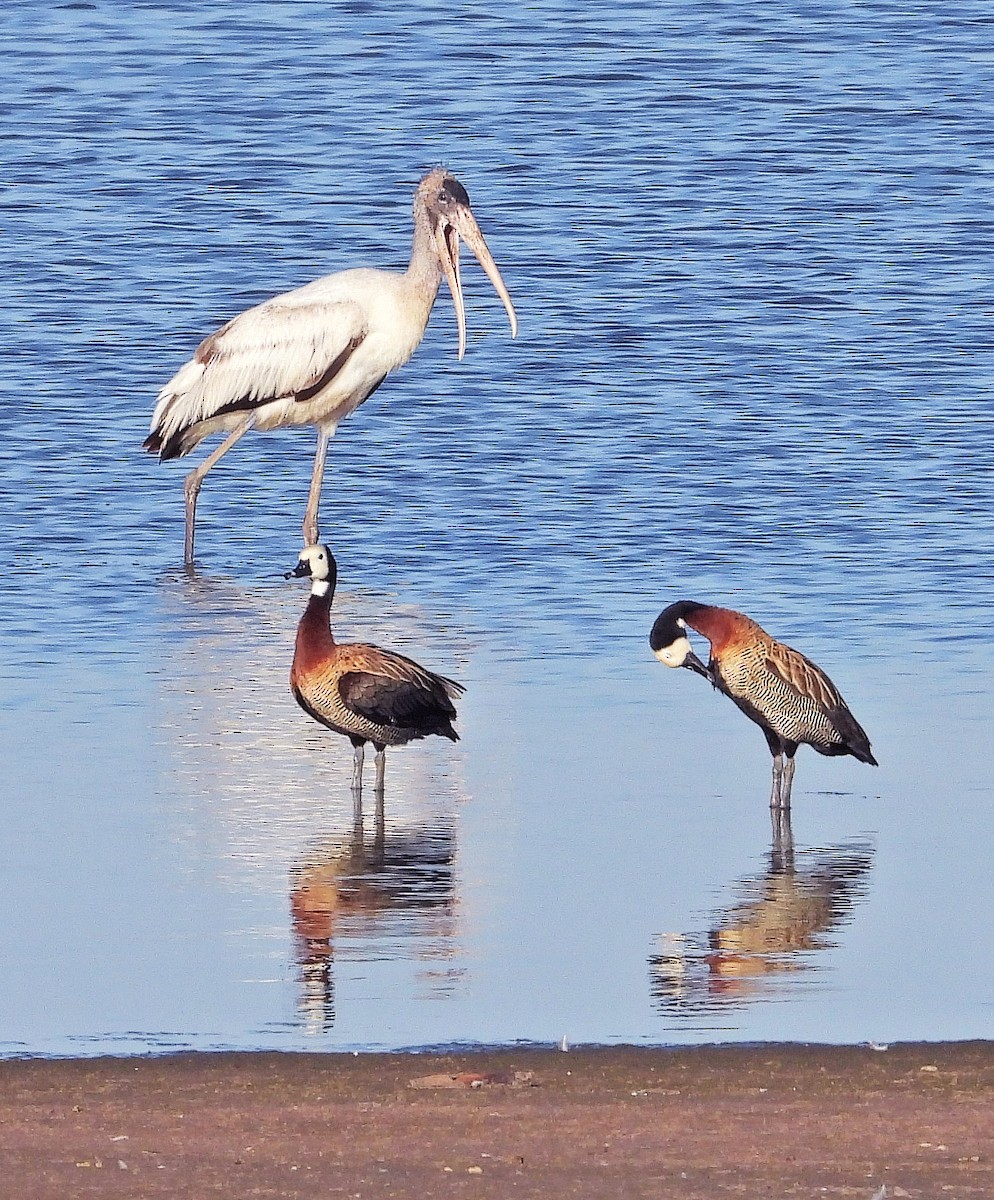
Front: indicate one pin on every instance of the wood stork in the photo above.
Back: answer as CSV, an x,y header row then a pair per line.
x,y
312,355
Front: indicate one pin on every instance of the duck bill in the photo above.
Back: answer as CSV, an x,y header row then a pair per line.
x,y
447,238
693,663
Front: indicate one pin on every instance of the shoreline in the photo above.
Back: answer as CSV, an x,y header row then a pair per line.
x,y
471,1049
916,1119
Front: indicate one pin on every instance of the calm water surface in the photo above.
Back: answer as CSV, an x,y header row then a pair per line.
x,y
751,254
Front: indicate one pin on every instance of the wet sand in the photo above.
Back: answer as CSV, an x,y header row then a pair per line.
x,y
706,1122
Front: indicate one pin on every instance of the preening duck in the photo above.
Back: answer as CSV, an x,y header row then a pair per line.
x,y
313,355
358,690
791,699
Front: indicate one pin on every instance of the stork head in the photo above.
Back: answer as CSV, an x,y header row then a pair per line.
x,y
447,204
318,564
669,641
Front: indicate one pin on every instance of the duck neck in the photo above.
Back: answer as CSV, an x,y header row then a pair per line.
x,y
719,625
314,636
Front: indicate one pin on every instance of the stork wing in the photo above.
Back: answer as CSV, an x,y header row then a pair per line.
x,y
274,351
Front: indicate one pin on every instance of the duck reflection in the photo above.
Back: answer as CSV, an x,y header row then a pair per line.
x,y
392,895
774,927
249,777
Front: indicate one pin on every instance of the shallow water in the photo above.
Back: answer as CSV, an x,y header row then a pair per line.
x,y
750,253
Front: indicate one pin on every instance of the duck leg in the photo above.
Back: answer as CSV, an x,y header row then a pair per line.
x,y
786,782
381,767
357,848
379,831
357,762
777,776
782,849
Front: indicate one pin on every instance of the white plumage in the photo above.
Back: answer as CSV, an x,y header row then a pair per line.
x,y
313,355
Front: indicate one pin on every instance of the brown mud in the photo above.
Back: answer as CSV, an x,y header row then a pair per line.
x,y
693,1124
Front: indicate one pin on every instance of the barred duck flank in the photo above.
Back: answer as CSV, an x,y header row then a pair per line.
x,y
791,699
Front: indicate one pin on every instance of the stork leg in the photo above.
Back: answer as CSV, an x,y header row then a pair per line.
x,y
381,767
192,484
311,531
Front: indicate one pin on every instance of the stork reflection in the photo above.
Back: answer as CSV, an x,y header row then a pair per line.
x,y
773,928
392,895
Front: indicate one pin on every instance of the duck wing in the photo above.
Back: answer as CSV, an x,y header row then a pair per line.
x,y
391,689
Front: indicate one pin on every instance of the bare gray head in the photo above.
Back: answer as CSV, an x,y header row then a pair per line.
x,y
446,202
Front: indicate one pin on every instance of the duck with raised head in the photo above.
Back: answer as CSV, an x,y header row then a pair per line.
x,y
791,699
313,355
358,690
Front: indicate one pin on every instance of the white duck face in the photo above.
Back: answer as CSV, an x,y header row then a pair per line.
x,y
676,653
671,645
318,563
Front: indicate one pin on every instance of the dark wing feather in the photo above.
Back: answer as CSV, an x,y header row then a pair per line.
x,y
398,701
852,733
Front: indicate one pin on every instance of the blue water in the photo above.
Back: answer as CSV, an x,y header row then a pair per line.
x,y
750,250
